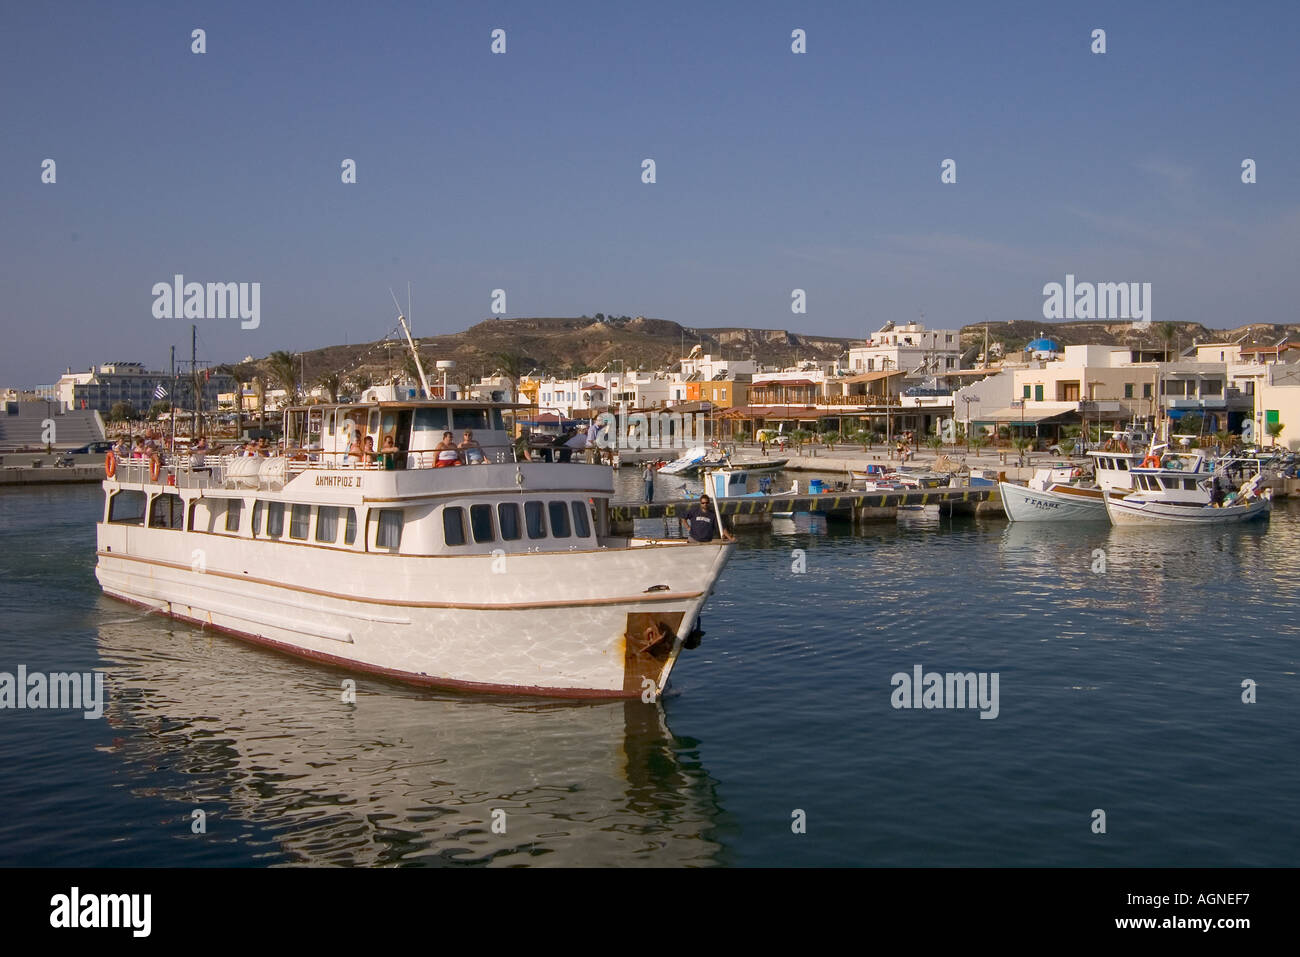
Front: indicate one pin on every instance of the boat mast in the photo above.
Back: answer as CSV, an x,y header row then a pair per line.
x,y
419,366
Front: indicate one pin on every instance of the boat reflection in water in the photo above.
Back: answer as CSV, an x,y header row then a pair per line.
x,y
404,775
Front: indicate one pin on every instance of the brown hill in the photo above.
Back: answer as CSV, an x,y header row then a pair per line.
x,y
570,345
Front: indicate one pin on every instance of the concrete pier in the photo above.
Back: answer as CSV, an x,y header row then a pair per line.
x,y
857,507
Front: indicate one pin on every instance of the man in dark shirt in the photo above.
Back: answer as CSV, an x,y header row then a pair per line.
x,y
701,523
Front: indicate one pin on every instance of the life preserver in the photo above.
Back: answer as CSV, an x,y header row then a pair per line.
x,y
1152,461
155,467
110,465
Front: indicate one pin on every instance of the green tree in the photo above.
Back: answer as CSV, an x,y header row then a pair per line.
x,y
282,370
1274,429
158,408
259,389
122,412
331,382
1167,332
241,373
510,365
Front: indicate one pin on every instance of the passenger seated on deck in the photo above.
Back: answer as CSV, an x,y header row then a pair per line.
x,y
473,451
388,452
357,450
368,452
446,453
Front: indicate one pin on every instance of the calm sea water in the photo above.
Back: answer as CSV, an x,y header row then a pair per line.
x,y
1120,690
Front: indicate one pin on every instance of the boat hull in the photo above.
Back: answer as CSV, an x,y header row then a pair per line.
x,y
1124,512
1071,505
611,624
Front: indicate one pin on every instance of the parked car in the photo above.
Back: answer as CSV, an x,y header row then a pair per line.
x,y
96,448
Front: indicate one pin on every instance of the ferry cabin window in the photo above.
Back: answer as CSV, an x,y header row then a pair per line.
x,y
508,521
127,507
431,420
257,518
1189,485
389,532
581,523
166,512
534,518
274,519
498,423
234,508
475,419
299,519
559,520
480,523
453,526
350,527
327,523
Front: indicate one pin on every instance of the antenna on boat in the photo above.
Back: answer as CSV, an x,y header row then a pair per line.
x,y
419,366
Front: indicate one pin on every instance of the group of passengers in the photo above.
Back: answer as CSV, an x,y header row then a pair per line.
x,y
362,451
447,453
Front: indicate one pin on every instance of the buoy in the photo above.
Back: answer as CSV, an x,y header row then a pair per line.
x,y
110,465
154,468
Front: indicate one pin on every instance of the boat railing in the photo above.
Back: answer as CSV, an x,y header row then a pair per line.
x,y
273,472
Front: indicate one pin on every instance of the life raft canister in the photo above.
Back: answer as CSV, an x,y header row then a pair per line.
x,y
155,467
110,465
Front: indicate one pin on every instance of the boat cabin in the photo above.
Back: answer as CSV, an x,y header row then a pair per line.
x,y
326,434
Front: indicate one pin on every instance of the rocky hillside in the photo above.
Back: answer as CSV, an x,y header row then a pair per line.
x,y
1014,335
571,345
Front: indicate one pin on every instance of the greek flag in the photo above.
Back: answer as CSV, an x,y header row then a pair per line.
x,y
160,392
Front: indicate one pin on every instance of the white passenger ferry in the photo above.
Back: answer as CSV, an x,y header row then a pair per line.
x,y
498,577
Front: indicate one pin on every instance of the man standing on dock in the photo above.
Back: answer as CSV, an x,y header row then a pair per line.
x,y
701,523
648,477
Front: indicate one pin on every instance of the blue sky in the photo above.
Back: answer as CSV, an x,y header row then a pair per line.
x,y
522,171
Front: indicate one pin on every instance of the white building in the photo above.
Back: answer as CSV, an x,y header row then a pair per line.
x,y
909,348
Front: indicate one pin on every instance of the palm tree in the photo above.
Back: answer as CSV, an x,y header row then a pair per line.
x,y
331,382
409,367
259,389
282,368
1167,332
240,373
511,365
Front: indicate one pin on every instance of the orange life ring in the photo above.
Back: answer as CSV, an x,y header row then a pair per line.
x,y
110,465
155,467
1151,462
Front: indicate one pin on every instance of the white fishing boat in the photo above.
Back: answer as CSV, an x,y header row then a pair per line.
x,y
1053,495
1181,492
499,576
1056,494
